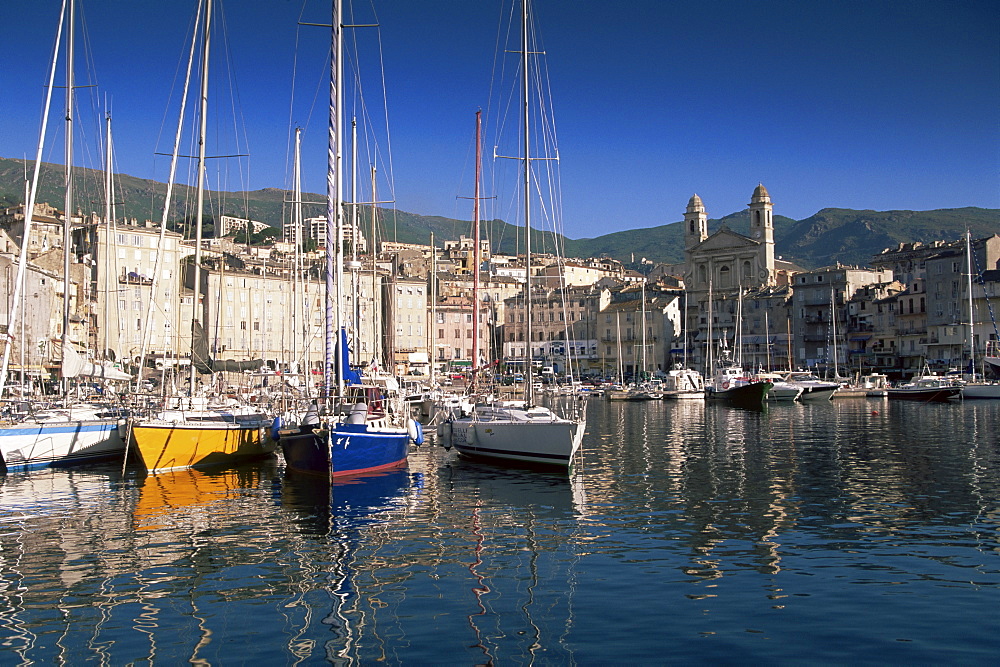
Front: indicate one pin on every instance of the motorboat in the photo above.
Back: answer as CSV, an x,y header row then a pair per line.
x,y
927,388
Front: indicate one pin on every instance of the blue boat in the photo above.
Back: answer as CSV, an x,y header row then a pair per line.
x,y
366,431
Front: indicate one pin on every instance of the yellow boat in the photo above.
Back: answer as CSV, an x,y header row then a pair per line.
x,y
178,439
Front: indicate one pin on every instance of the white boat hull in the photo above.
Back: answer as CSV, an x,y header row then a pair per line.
x,y
981,390
30,445
552,443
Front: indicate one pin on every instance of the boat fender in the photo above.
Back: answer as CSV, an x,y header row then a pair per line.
x,y
276,427
122,430
444,434
470,435
415,431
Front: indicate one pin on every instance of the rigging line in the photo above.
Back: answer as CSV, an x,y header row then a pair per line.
x,y
981,281
239,119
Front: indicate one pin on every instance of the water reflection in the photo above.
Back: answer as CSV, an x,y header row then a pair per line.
x,y
340,516
520,528
866,519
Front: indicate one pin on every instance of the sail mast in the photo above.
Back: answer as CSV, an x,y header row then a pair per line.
x,y
68,206
476,259
106,298
199,211
297,239
333,213
528,381
972,318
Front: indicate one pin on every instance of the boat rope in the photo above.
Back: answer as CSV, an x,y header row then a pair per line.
x,y
978,277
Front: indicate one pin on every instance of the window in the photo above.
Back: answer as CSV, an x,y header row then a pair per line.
x,y
725,279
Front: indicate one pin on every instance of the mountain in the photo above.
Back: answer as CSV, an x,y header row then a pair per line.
x,y
831,235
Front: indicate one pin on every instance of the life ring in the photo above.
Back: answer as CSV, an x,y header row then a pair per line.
x,y
725,384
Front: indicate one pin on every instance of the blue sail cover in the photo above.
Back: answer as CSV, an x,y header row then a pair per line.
x,y
351,376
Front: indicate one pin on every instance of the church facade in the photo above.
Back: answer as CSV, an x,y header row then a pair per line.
x,y
727,273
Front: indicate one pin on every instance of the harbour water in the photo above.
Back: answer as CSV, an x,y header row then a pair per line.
x,y
853,531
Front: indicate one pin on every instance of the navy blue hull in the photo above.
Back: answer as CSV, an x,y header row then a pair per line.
x,y
348,450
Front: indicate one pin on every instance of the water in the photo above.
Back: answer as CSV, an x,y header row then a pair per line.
x,y
687,534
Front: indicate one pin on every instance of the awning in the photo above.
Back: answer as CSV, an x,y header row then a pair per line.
x,y
859,336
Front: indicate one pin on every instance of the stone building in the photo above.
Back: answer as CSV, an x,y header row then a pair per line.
x,y
820,314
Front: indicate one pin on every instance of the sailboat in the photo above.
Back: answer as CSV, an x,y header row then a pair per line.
x,y
360,424
522,433
195,430
977,388
68,433
683,382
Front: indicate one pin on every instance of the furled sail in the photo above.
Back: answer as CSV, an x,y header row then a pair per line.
x,y
73,365
203,363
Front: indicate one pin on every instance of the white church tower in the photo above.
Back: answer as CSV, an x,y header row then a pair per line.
x,y
695,222
762,230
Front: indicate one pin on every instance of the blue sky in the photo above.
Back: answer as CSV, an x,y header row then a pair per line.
x,y
854,104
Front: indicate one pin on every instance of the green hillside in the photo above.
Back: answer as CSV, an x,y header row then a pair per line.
x,y
829,236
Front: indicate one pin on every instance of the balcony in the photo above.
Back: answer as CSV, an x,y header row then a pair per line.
x,y
133,278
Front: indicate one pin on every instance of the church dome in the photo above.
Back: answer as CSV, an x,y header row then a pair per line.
x,y
760,195
695,205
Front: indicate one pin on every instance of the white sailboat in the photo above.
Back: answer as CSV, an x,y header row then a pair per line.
x,y
523,433
67,433
683,382
977,388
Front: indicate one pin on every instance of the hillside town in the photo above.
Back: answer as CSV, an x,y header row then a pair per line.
x,y
415,304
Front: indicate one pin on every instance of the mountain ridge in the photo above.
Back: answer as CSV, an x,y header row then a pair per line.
x,y
831,235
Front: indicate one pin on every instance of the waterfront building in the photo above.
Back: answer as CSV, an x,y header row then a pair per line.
x,y
947,291
871,323
406,308
564,328
638,334
453,341
121,271
39,318
766,328
820,313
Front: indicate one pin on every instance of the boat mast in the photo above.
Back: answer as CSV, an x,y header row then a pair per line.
x,y
68,206
353,264
709,366
377,317
108,195
643,324
199,211
475,253
334,214
833,320
528,381
433,295
972,318
297,239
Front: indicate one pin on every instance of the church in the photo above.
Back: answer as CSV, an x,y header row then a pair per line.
x,y
721,268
